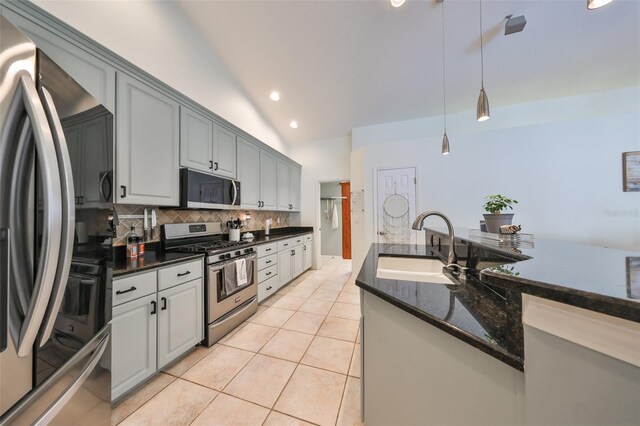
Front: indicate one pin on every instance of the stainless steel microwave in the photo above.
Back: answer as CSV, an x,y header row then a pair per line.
x,y
204,191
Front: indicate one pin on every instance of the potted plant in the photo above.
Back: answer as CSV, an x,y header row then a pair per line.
x,y
495,204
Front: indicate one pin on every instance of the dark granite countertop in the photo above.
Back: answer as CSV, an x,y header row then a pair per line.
x,y
589,277
151,260
470,311
155,258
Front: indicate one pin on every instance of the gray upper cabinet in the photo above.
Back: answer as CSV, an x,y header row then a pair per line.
x,y
268,180
249,173
95,75
294,187
284,193
224,152
206,146
147,145
196,141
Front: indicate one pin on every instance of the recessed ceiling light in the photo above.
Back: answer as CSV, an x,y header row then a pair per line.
x,y
397,3
293,124
594,4
275,96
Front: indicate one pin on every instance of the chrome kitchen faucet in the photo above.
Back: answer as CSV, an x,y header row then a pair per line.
x,y
417,225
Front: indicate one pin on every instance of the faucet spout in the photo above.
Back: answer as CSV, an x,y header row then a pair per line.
x,y
452,258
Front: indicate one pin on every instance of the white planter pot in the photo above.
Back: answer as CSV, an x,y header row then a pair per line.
x,y
495,221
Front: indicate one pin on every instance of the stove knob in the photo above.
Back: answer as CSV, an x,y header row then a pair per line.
x,y
249,250
221,257
227,256
238,253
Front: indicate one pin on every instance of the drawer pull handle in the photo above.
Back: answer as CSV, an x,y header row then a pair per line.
x,y
153,310
286,244
268,261
268,273
184,273
238,299
126,291
268,250
269,288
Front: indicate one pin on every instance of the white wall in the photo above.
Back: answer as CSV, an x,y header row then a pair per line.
x,y
331,238
325,160
157,37
560,158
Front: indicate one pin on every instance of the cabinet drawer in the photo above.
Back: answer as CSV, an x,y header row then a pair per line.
x,y
308,238
174,275
267,273
298,240
133,287
267,249
286,244
267,261
267,288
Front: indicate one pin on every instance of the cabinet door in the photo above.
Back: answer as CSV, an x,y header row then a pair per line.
x,y
224,152
249,173
308,255
147,145
298,260
294,188
133,347
196,141
180,320
268,180
283,185
97,77
96,158
285,271
73,136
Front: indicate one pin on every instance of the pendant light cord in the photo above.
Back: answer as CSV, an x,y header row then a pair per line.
x,y
481,50
444,86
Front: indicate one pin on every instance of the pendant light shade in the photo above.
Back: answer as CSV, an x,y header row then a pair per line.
x,y
594,4
445,144
482,112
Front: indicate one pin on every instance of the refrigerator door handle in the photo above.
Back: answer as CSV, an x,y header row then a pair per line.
x,y
59,404
68,213
52,215
5,240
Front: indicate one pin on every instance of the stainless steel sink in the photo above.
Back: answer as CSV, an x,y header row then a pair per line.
x,y
412,269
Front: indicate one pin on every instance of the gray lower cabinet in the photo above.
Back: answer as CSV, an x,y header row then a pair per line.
x,y
157,317
147,145
308,255
268,180
133,348
298,260
196,140
285,268
180,320
249,173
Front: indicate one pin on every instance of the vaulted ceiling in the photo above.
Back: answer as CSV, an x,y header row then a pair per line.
x,y
345,64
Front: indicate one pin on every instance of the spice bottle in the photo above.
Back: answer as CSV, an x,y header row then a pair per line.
x,y
140,247
132,244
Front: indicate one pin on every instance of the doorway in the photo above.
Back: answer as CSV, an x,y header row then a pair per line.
x,y
335,219
395,205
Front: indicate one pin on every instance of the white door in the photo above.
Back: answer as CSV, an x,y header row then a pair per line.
x,y
180,320
396,205
133,348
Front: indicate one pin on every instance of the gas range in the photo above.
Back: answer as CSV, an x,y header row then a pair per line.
x,y
206,238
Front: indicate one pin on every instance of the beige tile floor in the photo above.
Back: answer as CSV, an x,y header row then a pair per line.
x,y
295,362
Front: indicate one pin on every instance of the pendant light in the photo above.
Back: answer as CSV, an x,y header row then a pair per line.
x,y
482,111
445,138
594,4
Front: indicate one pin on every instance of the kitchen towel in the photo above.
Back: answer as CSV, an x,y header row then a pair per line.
x,y
241,272
334,221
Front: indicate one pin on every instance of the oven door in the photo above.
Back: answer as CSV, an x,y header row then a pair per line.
x,y
201,190
223,294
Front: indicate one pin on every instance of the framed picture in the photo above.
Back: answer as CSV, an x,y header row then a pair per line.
x,y
633,277
631,171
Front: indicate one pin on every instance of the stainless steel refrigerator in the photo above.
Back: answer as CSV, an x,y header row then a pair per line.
x,y
56,156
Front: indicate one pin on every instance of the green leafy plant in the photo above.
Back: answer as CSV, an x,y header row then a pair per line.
x,y
496,203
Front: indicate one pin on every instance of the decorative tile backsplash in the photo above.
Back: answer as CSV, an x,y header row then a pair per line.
x,y
168,215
